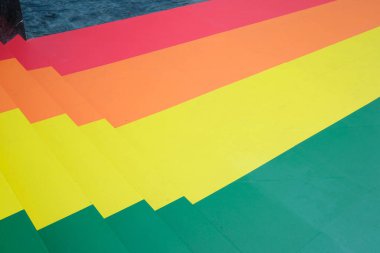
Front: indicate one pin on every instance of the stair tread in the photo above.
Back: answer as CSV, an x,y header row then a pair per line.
x,y
18,235
75,105
26,92
142,230
194,229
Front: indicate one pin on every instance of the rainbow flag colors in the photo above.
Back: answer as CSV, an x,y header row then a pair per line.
x,y
254,128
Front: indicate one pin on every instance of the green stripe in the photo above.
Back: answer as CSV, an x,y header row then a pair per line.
x,y
254,222
17,235
82,232
321,195
194,229
142,230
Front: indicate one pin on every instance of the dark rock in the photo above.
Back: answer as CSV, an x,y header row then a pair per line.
x,y
11,21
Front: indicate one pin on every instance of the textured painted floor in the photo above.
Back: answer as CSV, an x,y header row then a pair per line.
x,y
215,141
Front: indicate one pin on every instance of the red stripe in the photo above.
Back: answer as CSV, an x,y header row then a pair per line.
x,y
98,45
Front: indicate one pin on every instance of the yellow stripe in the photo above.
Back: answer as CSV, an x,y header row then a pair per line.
x,y
9,202
97,177
126,155
40,182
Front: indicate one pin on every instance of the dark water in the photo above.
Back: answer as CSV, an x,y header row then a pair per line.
x,y
42,17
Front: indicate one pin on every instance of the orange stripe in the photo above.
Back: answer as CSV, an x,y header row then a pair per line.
x,y
137,87
74,104
6,102
26,93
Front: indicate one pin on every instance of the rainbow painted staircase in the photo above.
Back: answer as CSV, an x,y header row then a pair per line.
x,y
224,126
